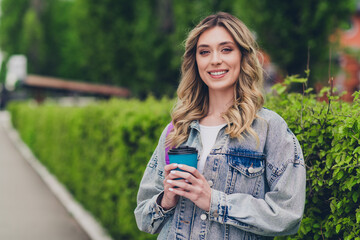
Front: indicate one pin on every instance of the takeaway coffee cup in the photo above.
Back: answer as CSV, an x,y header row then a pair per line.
x,y
183,155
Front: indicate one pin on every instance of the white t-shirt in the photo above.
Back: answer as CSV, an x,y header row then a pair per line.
x,y
208,137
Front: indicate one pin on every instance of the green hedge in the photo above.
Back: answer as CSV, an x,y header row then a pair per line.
x,y
329,134
100,152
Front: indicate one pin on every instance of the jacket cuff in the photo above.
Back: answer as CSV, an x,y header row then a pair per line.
x,y
160,211
218,207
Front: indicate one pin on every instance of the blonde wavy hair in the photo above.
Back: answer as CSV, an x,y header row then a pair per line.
x,y
193,97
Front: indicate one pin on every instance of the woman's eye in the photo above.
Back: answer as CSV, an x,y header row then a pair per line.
x,y
227,50
203,52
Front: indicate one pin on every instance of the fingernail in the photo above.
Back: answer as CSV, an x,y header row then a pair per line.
x,y
175,164
169,181
172,171
186,180
171,189
180,165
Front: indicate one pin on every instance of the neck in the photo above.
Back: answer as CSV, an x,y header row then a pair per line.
x,y
219,102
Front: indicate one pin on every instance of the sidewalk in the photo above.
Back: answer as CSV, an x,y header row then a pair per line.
x,y
29,210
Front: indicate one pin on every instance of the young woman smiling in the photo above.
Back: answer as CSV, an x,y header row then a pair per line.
x,y
250,178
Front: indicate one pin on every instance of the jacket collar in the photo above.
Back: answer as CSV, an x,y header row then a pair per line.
x,y
195,125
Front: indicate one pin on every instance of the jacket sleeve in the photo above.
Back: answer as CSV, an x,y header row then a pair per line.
x,y
281,210
150,216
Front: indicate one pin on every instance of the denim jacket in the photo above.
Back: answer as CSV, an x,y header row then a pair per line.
x,y
258,189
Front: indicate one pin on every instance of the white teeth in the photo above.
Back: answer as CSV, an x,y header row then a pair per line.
x,y
218,73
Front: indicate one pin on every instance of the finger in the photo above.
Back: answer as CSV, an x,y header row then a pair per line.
x,y
170,167
171,183
191,170
185,175
167,191
174,179
179,183
181,192
182,183
174,176
171,179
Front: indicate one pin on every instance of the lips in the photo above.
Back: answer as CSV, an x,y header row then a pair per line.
x,y
218,73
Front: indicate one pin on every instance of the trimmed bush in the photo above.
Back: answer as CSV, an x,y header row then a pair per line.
x,y
100,152
329,134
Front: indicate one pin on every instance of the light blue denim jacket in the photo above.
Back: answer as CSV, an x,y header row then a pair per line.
x,y
258,191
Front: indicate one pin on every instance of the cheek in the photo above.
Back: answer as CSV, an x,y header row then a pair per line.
x,y
237,66
201,67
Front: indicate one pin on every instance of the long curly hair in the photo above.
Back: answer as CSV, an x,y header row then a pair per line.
x,y
193,96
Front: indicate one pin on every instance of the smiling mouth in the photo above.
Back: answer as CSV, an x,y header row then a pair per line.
x,y
218,73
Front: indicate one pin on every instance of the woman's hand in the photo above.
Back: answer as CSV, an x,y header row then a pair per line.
x,y
193,186
169,198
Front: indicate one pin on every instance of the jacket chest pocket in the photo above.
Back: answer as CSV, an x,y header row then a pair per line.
x,y
245,172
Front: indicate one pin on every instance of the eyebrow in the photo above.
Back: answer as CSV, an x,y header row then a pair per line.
x,y
222,43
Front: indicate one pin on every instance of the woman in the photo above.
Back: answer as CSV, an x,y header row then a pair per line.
x,y
250,181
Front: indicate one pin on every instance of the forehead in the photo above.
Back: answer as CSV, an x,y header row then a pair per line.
x,y
215,36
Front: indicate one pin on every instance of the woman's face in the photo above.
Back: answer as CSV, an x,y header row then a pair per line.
x,y
218,59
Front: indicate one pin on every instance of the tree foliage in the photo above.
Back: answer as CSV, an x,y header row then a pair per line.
x,y
37,29
138,44
290,31
12,17
329,135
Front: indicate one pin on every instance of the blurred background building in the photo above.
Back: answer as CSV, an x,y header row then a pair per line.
x,y
348,78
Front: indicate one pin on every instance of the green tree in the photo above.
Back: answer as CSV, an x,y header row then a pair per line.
x,y
287,29
39,29
138,44
11,22
124,43
62,47
135,44
32,40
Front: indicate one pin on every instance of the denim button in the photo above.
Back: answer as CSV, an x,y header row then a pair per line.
x,y
203,217
251,170
210,183
215,214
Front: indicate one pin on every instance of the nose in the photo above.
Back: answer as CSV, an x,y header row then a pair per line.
x,y
216,59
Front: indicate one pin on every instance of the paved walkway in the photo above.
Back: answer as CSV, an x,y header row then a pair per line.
x,y
28,209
